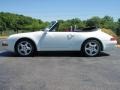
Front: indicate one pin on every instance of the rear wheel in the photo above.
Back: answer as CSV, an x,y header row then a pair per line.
x,y
25,47
91,48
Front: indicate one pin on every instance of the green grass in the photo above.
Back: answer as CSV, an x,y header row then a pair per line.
x,y
109,31
3,37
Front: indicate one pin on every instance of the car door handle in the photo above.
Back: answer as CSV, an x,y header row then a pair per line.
x,y
70,36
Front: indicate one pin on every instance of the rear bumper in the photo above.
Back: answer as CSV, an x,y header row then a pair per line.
x,y
110,45
4,43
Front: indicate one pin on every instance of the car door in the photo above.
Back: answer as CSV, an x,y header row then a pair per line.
x,y
53,41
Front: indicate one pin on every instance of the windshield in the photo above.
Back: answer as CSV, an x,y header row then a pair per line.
x,y
51,24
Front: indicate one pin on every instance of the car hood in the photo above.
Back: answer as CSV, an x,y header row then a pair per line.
x,y
29,34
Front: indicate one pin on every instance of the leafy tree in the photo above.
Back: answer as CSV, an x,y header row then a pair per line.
x,y
94,21
108,22
35,25
118,27
14,22
64,26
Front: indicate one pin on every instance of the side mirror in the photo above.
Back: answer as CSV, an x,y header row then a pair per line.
x,y
46,30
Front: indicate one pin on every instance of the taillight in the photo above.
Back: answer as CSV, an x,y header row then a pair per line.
x,y
113,39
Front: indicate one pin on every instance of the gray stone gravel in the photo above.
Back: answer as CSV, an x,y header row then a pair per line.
x,y
60,71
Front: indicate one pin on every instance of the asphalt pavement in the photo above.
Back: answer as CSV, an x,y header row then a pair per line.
x,y
60,71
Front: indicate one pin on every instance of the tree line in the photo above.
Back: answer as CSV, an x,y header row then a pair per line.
x,y
14,22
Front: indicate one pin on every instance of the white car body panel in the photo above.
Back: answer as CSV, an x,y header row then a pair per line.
x,y
62,41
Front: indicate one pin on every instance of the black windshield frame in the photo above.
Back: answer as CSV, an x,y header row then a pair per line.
x,y
54,27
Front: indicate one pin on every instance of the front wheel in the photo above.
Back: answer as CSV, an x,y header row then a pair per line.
x,y
91,48
25,48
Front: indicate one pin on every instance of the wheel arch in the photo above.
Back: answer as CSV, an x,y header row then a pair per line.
x,y
92,38
26,39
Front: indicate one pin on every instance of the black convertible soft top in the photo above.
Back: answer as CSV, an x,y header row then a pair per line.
x,y
88,29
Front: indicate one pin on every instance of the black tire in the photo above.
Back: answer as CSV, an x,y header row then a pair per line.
x,y
91,48
27,48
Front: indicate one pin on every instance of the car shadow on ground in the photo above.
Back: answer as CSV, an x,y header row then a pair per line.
x,y
52,54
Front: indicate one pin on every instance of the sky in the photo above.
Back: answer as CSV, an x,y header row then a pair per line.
x,y
48,10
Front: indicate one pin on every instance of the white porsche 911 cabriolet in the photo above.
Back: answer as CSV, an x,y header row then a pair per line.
x,y
90,41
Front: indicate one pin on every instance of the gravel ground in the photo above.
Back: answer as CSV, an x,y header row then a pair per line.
x,y
60,71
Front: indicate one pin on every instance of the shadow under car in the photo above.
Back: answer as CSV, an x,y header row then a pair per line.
x,y
52,54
